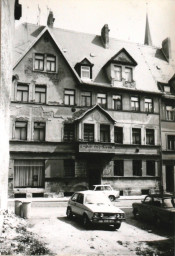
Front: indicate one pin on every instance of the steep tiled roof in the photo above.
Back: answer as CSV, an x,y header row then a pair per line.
x,y
152,65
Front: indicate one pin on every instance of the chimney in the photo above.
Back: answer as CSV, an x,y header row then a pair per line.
x,y
166,48
105,36
50,20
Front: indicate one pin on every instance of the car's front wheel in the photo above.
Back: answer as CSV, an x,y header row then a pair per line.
x,y
85,221
117,225
69,213
112,198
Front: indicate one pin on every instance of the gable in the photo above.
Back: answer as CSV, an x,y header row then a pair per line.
x,y
96,116
123,57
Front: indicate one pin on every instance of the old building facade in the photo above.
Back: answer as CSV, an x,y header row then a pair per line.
x,y
85,110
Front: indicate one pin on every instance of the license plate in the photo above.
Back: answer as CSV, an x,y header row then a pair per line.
x,y
108,221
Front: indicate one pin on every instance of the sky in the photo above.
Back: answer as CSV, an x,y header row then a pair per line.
x,y
126,18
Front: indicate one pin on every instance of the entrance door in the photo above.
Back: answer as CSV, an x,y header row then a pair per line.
x,y
169,178
94,177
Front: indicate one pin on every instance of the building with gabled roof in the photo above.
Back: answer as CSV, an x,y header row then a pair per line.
x,y
85,110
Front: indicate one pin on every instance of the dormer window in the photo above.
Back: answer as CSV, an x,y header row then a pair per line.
x,y
84,69
85,72
166,89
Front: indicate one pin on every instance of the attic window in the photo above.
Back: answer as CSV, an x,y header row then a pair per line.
x,y
85,72
166,88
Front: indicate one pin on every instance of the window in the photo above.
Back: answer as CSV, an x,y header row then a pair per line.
x,y
28,173
39,61
171,142
86,99
128,74
117,73
39,131
51,63
149,137
135,106
104,133
170,113
85,72
40,94
137,167
102,100
22,92
68,132
80,198
118,134
69,168
150,168
167,88
117,102
136,136
21,130
148,105
118,168
88,132
69,97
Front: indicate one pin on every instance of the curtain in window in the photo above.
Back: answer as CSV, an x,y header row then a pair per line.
x,y
28,173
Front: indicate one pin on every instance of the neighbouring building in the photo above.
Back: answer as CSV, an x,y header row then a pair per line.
x,y
86,109
9,10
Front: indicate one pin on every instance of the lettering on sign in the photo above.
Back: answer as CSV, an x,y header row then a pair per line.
x,y
96,148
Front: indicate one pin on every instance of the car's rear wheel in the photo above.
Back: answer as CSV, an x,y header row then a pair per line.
x,y
117,225
135,213
85,221
112,198
69,213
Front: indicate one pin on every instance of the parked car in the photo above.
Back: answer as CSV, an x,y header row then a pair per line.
x,y
156,208
107,190
94,208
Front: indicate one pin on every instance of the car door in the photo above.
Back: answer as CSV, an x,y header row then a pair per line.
x,y
145,207
80,205
73,202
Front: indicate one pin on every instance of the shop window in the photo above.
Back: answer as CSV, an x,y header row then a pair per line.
x,y
68,132
118,168
51,63
148,105
135,105
39,131
40,94
20,130
137,167
22,92
86,99
117,102
171,142
150,137
28,173
150,168
128,74
85,72
69,97
170,113
136,136
117,73
102,100
89,132
118,134
69,168
104,133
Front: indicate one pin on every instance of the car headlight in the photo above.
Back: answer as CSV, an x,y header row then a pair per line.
x,y
98,215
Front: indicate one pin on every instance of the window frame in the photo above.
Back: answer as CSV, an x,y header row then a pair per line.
x,y
119,171
138,101
84,99
71,166
134,139
106,134
40,93
148,109
150,135
171,142
170,113
90,137
99,98
117,78
69,132
23,128
38,127
39,60
114,102
119,133
22,92
69,97
136,170
149,170
86,71
131,74
50,63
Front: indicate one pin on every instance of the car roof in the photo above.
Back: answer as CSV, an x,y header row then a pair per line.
x,y
85,192
101,185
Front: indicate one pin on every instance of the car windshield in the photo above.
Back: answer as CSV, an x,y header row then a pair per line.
x,y
96,199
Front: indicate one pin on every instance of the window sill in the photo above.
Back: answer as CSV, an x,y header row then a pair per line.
x,y
45,71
